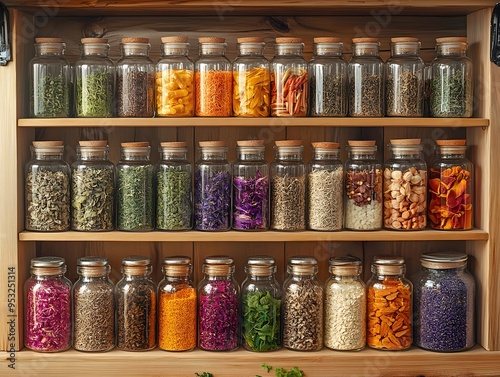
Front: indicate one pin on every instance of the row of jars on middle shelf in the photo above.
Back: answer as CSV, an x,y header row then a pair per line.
x,y
251,86
436,312
250,194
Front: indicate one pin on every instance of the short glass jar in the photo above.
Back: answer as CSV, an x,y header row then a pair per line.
x,y
47,305
405,186
92,188
451,190
93,306
47,188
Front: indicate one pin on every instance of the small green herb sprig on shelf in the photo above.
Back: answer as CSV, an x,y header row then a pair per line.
x,y
282,372
94,95
204,374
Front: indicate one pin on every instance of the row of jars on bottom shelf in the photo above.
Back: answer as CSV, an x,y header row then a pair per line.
x,y
435,312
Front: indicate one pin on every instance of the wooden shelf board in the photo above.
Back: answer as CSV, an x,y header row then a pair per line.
x,y
269,236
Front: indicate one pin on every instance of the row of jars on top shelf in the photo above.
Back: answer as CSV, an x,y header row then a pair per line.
x,y
251,86
250,194
436,312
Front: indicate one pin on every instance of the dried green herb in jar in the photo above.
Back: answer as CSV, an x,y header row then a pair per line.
x,y
51,97
329,98
451,95
94,95
365,96
404,95
173,201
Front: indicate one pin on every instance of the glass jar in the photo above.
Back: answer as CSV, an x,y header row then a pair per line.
x,y
213,79
289,79
328,79
363,186
212,188
366,79
404,72
405,186
93,306
92,188
444,303
288,186
325,203
47,320
250,186
175,79
47,188
177,306
134,188
136,305
261,306
218,305
345,305
50,80
451,191
302,306
135,80
389,305
451,87
251,79
95,77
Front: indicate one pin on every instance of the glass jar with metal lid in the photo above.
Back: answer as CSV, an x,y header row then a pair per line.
x,y
444,303
218,305
92,187
250,186
251,79
261,306
405,186
47,188
47,320
93,306
451,187
345,305
302,305
136,305
50,80
389,305
175,79
177,306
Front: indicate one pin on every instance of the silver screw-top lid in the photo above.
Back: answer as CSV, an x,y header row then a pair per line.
x,y
136,261
47,262
443,260
92,262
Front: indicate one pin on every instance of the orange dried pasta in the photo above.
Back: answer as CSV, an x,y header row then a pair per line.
x,y
213,91
289,93
251,92
174,92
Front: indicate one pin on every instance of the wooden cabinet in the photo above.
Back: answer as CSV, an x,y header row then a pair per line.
x,y
384,19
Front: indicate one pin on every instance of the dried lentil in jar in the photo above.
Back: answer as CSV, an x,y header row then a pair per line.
x,y
444,301
389,305
405,186
176,306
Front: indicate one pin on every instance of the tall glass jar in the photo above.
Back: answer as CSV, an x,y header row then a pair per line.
x,y
328,78
212,188
134,188
325,177
136,305
47,320
95,77
251,79
451,187
177,306
250,186
444,303
302,306
175,79
213,79
289,79
218,305
174,196
363,186
50,80
92,188
261,306
288,186
345,305
93,306
389,308
135,80
366,79
451,87
404,72
405,186
47,188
